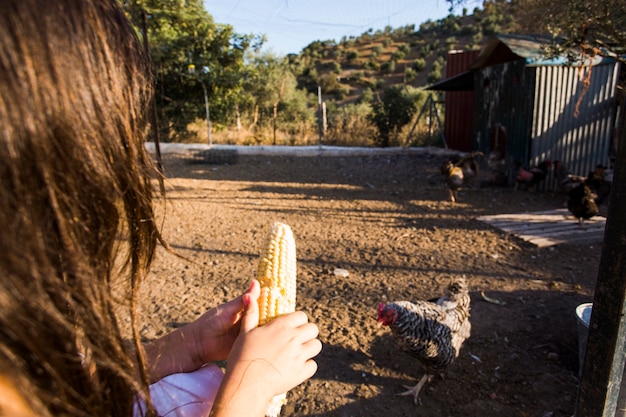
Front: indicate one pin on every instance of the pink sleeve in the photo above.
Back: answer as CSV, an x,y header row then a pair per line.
x,y
186,394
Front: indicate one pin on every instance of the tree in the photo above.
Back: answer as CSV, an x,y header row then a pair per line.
x,y
190,53
595,27
391,113
591,27
270,87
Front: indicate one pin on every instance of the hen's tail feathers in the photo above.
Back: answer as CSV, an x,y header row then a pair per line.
x,y
458,286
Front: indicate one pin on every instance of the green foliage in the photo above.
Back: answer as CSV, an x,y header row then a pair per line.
x,y
595,27
419,64
388,66
398,55
435,73
409,75
390,114
350,125
190,51
367,96
352,55
372,64
404,48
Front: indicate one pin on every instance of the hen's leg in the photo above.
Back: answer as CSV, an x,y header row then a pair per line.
x,y
452,195
415,390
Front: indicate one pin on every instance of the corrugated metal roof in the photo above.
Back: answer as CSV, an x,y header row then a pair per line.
x,y
531,48
500,49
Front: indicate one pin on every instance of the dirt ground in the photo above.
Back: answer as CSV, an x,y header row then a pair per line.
x,y
385,219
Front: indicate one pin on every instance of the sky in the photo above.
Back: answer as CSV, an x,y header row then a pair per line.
x,y
291,25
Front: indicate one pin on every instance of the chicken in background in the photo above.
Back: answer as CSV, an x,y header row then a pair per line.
x,y
459,172
566,180
469,165
454,178
497,167
582,203
529,178
431,332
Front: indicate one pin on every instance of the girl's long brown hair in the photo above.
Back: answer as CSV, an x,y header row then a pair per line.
x,y
75,196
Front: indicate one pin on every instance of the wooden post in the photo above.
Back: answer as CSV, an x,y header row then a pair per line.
x,y
154,115
319,114
604,356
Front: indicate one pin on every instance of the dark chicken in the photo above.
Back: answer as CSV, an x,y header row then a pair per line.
x,y
566,180
529,178
598,183
432,332
582,203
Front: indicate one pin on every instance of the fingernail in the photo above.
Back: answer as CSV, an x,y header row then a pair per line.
x,y
246,300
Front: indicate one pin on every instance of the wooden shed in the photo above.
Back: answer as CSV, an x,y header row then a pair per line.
x,y
530,108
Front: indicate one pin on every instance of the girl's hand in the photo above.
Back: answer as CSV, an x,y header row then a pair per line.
x,y
266,361
209,338
214,333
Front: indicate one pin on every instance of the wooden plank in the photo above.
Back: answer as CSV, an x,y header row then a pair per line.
x,y
548,228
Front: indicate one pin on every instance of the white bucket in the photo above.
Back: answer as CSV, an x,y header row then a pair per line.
x,y
583,316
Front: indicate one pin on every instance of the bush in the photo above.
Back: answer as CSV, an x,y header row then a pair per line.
x,y
391,114
398,55
350,125
419,65
404,48
388,67
372,65
352,55
434,75
409,75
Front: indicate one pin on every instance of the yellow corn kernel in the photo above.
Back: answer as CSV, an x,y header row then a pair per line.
x,y
277,274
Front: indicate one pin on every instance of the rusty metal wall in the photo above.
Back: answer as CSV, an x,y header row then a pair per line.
x,y
571,123
458,125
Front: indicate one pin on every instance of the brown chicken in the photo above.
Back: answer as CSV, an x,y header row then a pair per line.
x,y
454,179
459,172
432,332
469,165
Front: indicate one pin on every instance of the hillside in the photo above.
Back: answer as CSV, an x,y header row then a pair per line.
x,y
353,68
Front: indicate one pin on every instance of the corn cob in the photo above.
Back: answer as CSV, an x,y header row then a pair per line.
x,y
277,276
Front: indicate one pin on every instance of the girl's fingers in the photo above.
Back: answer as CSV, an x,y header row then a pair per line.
x,y
311,348
309,369
307,331
250,319
295,319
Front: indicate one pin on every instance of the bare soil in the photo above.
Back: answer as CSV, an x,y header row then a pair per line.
x,y
387,220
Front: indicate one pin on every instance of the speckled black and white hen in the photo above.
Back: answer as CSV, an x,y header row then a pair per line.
x,y
432,332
